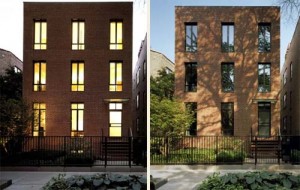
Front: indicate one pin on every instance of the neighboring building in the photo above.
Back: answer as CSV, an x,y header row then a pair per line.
x,y
228,68
139,94
158,62
8,59
78,68
290,87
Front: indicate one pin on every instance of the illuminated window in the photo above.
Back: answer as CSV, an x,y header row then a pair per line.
x,y
77,76
191,37
40,35
138,76
138,101
144,69
77,35
17,70
77,110
39,77
115,78
115,119
116,35
264,77
264,37
227,37
39,122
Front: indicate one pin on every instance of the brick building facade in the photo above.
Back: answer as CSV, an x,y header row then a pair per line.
x,y
7,60
227,68
78,68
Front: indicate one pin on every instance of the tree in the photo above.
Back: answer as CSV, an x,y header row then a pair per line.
x,y
290,7
169,117
15,114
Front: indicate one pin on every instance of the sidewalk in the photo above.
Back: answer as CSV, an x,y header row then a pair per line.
x,y
189,176
35,180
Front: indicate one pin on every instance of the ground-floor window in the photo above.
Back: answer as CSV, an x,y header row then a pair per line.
x,y
264,119
77,110
115,119
192,107
227,118
39,122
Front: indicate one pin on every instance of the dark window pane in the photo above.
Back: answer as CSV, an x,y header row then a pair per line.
x,y
264,77
264,37
227,77
192,107
191,37
227,121
191,77
264,119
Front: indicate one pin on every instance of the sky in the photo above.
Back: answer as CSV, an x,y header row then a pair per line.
x,y
11,19
162,22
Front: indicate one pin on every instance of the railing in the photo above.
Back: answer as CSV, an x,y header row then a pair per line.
x,y
224,150
72,151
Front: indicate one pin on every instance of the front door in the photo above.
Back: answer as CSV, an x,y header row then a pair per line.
x,y
115,119
264,119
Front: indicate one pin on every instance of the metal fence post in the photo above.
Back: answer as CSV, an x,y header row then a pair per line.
x,y
129,150
255,151
279,149
167,149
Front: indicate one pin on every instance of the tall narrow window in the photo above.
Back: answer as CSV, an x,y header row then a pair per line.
x,y
39,77
39,122
77,110
291,102
291,70
264,37
227,70
264,77
192,108
190,77
227,37
144,69
115,78
138,76
284,101
191,37
40,35
284,76
138,101
78,35
115,119
116,35
264,118
77,76
227,118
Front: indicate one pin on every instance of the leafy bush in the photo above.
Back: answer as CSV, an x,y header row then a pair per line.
x,y
97,181
231,143
251,180
230,156
295,156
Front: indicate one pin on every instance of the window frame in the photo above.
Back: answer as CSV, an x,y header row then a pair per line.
x,y
190,87
192,130
77,132
77,84
223,48
285,76
194,42
116,109
40,44
227,64
114,45
40,133
263,49
291,70
78,45
115,85
264,75
41,87
229,132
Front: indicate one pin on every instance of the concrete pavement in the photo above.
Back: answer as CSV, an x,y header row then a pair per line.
x,y
189,176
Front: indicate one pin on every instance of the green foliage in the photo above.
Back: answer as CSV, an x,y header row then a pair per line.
x,y
97,181
163,85
11,85
231,143
295,156
252,180
230,156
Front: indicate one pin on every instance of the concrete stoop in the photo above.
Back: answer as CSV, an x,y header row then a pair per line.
x,y
5,183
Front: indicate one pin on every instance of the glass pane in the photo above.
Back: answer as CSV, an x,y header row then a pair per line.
x,y
75,33
80,120
115,117
37,33
36,120
119,32
81,74
42,106
74,87
80,88
224,33
112,32
81,32
74,106
80,106
43,119
112,73
74,120
44,32
36,73
118,106
43,73
112,106
115,131
231,34
74,73
43,46
119,46
119,73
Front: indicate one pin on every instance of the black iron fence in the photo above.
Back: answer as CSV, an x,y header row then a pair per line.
x,y
73,151
224,150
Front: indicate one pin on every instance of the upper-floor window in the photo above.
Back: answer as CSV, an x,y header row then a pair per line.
x,y
77,110
77,76
78,35
191,37
291,102
264,77
144,69
284,101
16,69
138,76
227,37
39,76
190,77
264,37
284,77
291,70
115,76
39,121
138,101
116,35
40,35
227,70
